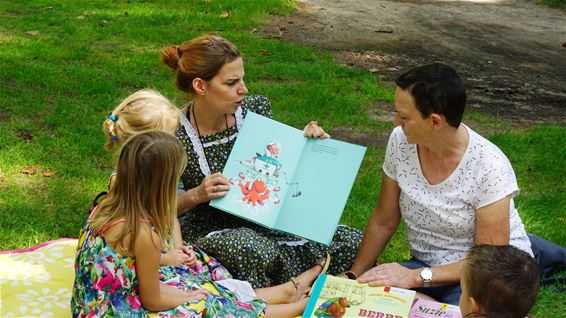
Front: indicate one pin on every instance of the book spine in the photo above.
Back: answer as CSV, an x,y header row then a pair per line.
x,y
315,293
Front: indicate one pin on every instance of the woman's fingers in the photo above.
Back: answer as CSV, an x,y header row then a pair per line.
x,y
217,178
313,130
221,188
214,186
368,276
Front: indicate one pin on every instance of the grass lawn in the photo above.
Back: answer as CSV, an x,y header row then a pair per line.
x,y
64,65
554,3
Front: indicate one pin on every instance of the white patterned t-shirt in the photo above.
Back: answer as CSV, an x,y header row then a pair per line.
x,y
440,219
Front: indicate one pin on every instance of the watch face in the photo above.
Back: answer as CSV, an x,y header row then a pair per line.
x,y
426,274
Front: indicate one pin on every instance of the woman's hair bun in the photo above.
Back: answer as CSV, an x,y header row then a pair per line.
x,y
170,56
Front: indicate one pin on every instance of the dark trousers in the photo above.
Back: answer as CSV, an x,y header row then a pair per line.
x,y
550,257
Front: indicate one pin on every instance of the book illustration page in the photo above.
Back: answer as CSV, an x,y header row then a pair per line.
x,y
339,295
326,173
262,180
355,293
264,156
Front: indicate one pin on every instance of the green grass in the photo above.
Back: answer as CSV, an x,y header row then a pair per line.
x,y
57,86
554,3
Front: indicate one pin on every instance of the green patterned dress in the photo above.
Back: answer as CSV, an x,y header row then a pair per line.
x,y
252,253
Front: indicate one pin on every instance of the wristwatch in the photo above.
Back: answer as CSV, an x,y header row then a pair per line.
x,y
426,276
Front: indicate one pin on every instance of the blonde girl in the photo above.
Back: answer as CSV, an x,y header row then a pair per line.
x,y
145,110
117,270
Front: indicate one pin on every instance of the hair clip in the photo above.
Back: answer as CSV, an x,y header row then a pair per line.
x,y
211,43
114,138
112,117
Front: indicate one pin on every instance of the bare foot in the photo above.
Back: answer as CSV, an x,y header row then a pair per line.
x,y
301,285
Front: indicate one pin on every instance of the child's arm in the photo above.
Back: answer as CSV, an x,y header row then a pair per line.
x,y
176,233
154,295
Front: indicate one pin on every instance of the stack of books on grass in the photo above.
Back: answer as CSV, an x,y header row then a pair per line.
x,y
340,297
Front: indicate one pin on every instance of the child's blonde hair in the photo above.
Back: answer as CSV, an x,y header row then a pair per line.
x,y
145,188
144,110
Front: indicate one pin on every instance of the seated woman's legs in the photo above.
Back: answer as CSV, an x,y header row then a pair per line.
x,y
246,254
343,249
297,258
265,259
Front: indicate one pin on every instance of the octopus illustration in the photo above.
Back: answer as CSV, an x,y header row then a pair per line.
x,y
256,194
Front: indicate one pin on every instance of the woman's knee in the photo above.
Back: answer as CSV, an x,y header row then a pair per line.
x,y
239,245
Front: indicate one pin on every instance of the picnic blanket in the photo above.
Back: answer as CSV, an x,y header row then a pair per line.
x,y
38,281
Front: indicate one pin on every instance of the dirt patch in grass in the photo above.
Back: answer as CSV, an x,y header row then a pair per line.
x,y
4,116
368,139
24,134
511,53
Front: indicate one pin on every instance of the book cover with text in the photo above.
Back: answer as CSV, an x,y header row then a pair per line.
x,y
340,297
423,308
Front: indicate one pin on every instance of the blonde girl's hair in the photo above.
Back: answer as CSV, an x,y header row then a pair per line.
x,y
143,110
202,57
145,188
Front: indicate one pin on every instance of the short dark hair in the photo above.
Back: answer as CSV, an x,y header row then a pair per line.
x,y
503,279
436,88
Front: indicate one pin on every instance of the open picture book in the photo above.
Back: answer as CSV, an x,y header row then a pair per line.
x,y
284,181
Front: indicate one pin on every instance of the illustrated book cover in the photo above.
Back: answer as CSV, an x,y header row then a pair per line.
x,y
340,297
284,181
423,308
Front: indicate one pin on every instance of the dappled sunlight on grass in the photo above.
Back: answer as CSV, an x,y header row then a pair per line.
x,y
58,86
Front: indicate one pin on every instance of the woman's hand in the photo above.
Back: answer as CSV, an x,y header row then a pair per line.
x,y
211,187
390,274
313,130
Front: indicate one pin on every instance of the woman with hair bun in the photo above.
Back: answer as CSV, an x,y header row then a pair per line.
x,y
210,69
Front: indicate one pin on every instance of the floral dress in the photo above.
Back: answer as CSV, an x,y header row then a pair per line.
x,y
259,255
106,285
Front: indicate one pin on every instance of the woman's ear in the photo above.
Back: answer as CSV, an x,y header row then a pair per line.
x,y
200,86
437,120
